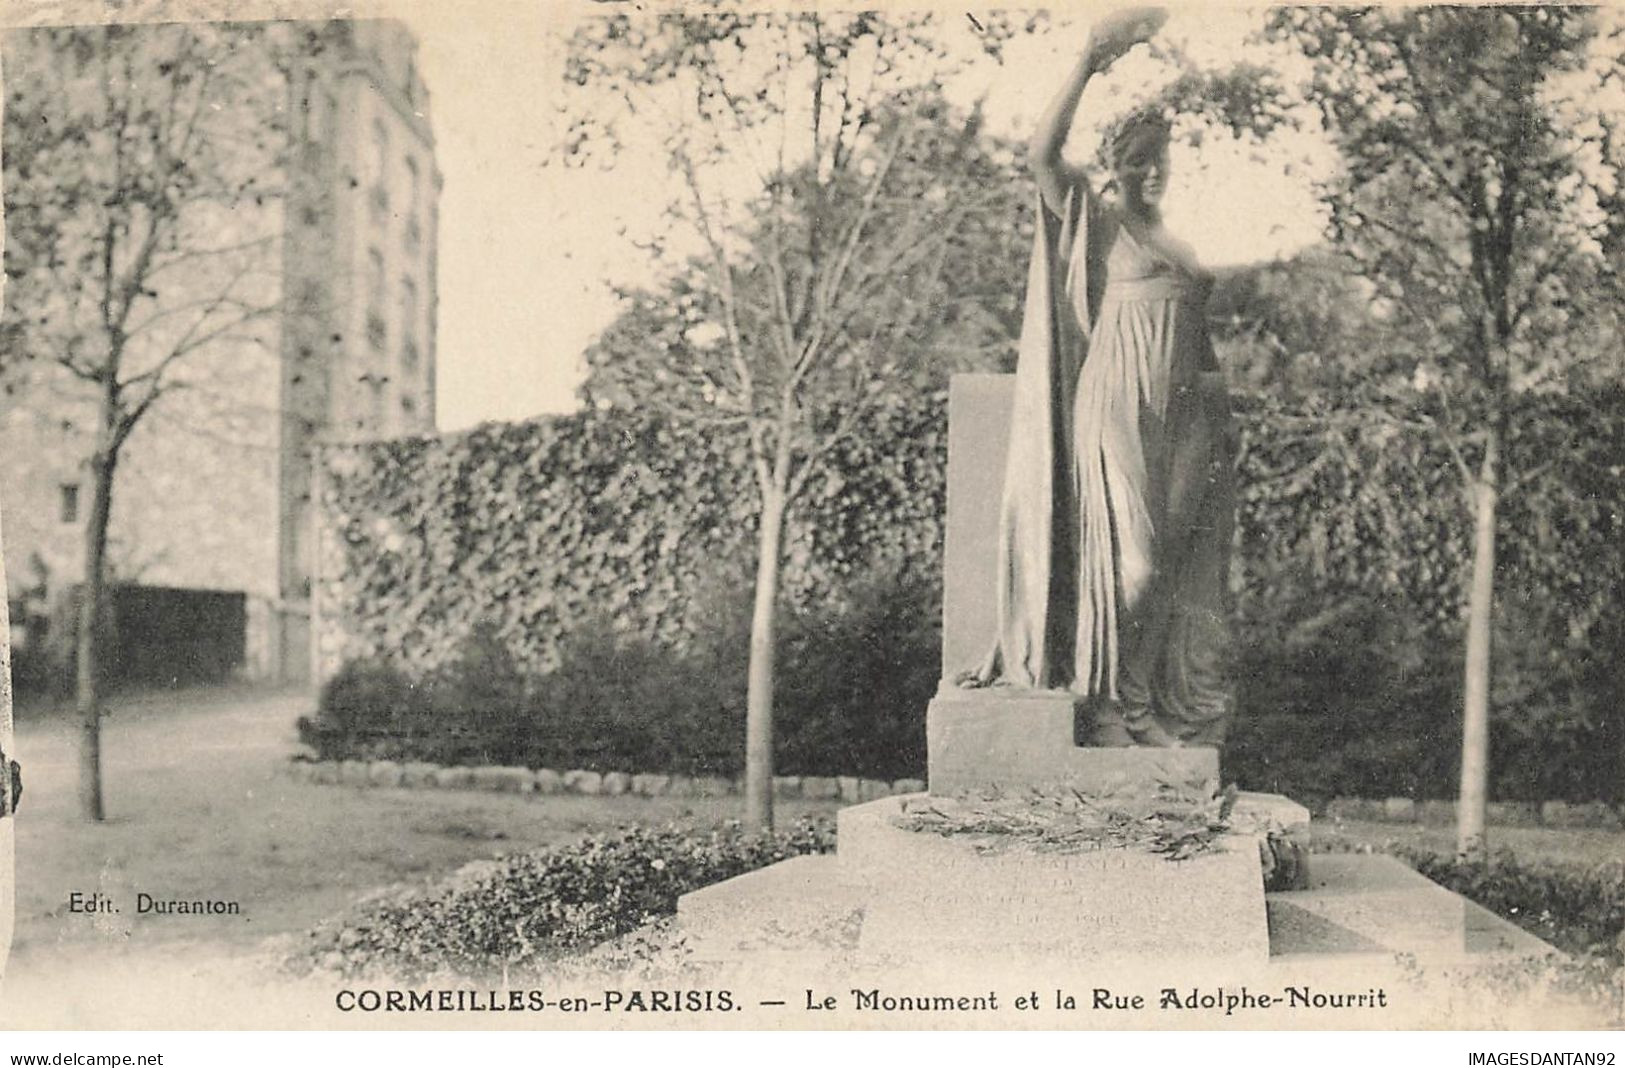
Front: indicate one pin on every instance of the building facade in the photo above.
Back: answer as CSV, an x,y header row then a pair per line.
x,y
213,492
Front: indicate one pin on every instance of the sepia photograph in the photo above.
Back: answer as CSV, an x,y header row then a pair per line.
x,y
742,516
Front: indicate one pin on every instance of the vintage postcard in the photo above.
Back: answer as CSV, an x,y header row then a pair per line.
x,y
556,516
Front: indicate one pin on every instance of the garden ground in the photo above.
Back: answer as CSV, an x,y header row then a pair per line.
x,y
199,810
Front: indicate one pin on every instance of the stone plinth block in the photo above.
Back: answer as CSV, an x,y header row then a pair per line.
x,y
793,907
418,773
383,773
504,779
933,896
1265,810
583,782
820,787
1369,904
1373,905
1014,739
650,785
978,438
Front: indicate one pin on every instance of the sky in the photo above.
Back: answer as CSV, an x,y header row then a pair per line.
x,y
530,250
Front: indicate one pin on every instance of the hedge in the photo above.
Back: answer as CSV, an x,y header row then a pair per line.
x,y
532,527
851,697
532,530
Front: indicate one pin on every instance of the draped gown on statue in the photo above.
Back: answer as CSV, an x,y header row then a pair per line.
x,y
1118,503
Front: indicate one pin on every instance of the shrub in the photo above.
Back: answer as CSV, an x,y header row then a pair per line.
x,y
474,709
516,914
1354,697
1352,700
364,711
854,683
541,526
624,702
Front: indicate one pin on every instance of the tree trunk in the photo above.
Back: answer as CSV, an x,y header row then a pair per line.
x,y
8,885
759,689
1475,741
88,651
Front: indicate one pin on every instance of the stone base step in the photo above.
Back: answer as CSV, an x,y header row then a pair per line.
x,y
796,908
932,895
1360,911
1373,905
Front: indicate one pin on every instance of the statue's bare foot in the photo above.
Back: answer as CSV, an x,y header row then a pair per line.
x,y
979,677
974,680
1148,732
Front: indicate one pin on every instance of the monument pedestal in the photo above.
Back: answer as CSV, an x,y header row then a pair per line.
x,y
946,899
1005,739
935,896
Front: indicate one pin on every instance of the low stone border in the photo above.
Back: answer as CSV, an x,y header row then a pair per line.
x,y
1596,815
513,780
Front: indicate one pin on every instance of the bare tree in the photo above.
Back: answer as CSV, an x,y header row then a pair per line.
x,y
815,246
141,248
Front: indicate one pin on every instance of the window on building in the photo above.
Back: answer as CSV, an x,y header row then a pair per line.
x,y
380,161
375,403
319,107
68,511
414,192
315,119
409,307
375,277
377,330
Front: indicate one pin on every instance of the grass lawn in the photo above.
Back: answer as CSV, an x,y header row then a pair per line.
x,y
198,809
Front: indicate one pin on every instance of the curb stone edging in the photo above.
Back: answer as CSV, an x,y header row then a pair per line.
x,y
848,789
420,775
1594,815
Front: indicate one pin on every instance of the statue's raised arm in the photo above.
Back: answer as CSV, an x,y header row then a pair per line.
x,y
1109,38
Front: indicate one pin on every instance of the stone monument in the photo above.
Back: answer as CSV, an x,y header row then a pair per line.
x,y
1074,815
899,895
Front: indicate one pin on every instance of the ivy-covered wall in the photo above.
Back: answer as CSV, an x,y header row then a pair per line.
x,y
620,518
610,517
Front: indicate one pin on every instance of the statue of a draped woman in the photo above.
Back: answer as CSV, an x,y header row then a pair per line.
x,y
1118,505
